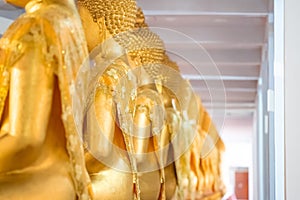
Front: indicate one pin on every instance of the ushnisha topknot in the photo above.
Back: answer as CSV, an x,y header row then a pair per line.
x,y
140,21
143,47
119,16
142,43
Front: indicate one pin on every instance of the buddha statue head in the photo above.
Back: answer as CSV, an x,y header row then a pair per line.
x,y
140,22
143,46
102,19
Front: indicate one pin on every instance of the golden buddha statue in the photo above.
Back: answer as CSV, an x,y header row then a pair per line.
x,y
215,157
184,175
175,120
196,148
41,152
212,149
102,22
121,51
207,147
148,62
99,20
196,175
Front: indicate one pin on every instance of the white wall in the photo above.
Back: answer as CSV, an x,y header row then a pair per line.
x,y
279,99
237,134
292,98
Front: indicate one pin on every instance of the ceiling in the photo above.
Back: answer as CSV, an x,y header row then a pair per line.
x,y
220,46
235,35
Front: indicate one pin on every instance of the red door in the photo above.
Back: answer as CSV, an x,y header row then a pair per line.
x,y
241,184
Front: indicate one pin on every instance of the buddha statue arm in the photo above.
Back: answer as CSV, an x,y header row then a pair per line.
x,y
148,122
25,118
142,131
142,128
173,124
101,131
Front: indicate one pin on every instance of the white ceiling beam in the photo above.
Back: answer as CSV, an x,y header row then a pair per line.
x,y
220,94
204,89
204,20
226,70
199,58
220,115
224,99
221,46
229,105
217,35
232,109
232,98
199,13
236,7
229,109
220,78
221,84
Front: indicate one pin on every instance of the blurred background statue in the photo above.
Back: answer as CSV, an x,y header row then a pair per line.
x,y
198,170
41,151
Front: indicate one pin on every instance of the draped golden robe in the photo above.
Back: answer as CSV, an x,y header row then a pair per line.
x,y
41,151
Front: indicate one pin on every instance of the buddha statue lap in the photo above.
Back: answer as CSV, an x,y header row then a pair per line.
x,y
41,152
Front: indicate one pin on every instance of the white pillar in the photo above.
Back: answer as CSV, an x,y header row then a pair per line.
x,y
292,98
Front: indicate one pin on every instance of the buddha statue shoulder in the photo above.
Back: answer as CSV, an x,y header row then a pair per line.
x,y
41,151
